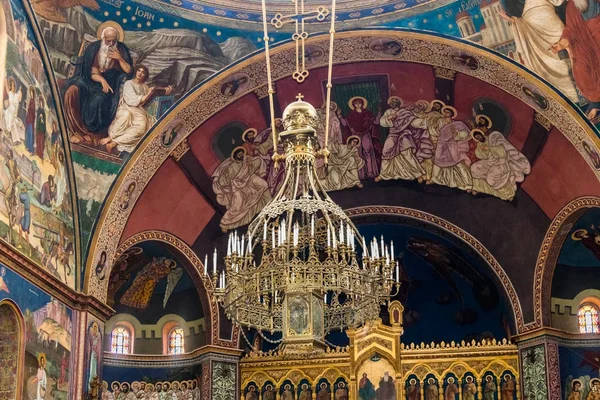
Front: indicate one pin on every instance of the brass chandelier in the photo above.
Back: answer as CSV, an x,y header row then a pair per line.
x,y
302,269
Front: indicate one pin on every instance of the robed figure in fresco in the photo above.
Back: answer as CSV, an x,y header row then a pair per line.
x,y
387,388
406,145
364,124
93,93
95,353
580,39
366,389
139,293
536,27
240,186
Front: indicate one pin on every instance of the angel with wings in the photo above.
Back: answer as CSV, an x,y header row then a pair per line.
x,y
139,293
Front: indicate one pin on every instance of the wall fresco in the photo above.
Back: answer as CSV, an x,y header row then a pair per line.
x,y
48,330
36,214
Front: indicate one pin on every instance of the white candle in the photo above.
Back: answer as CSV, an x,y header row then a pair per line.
x,y
265,231
206,264
392,246
273,238
312,225
215,262
242,243
342,233
229,245
397,272
328,237
382,248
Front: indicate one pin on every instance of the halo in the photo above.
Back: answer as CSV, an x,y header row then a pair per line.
x,y
334,105
469,377
247,131
305,386
269,386
412,381
151,386
341,385
352,138
509,377
389,101
113,384
425,103
489,121
236,150
287,386
488,378
574,234
365,102
115,26
474,131
592,381
439,102
431,381
40,357
323,385
450,108
451,379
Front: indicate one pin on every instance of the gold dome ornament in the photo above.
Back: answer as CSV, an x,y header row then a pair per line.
x,y
299,117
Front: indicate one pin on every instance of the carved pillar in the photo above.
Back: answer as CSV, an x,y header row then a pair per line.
x,y
480,388
540,374
423,392
441,390
460,386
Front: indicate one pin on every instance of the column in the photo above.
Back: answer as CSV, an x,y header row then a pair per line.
x,y
540,373
480,388
441,389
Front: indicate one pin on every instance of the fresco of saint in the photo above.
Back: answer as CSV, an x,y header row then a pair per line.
x,y
92,96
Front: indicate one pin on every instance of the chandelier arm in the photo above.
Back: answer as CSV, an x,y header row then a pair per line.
x,y
270,83
317,188
329,73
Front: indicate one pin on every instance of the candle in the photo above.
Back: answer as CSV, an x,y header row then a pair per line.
x,y
229,245
312,226
265,231
242,242
397,272
206,264
342,233
382,249
215,262
328,237
392,246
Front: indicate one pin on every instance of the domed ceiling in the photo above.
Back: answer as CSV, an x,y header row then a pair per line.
x,y
123,175
180,181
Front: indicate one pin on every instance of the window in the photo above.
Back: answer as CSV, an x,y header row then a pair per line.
x,y
176,341
120,341
588,319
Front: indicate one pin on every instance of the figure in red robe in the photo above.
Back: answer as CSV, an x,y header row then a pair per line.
x,y
581,39
364,124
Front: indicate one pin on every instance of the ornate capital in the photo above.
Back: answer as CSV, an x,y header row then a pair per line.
x,y
180,150
444,73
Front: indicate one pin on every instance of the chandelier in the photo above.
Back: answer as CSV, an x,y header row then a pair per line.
x,y
302,269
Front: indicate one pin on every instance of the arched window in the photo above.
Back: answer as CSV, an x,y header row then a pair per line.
x,y
588,318
176,341
120,340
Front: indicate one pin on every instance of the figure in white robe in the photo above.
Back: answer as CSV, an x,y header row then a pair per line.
x,y
132,121
535,31
12,122
240,186
451,163
40,377
345,162
499,168
406,145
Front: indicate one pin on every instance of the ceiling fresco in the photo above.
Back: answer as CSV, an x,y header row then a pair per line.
x,y
36,211
539,135
579,259
149,281
183,42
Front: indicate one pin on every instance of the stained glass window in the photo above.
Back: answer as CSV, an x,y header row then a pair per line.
x,y
176,341
588,319
119,342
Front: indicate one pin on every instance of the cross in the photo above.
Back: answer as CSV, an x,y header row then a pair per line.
x,y
299,97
